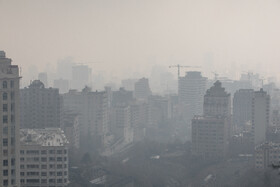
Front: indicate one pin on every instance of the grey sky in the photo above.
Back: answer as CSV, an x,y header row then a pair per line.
x,y
130,35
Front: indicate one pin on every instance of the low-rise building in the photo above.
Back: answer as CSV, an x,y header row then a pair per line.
x,y
266,154
209,136
43,158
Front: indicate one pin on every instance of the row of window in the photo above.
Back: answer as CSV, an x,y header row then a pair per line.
x,y
5,142
5,96
43,159
44,166
43,152
51,173
43,181
5,84
6,162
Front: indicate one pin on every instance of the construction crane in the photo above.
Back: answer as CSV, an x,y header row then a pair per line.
x,y
179,66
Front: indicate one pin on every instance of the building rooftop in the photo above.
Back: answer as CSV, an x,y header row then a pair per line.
x,y
43,137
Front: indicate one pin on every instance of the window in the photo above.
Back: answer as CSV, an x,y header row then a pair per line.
x,y
5,142
5,182
12,95
5,119
5,96
21,173
43,173
4,84
43,166
5,130
43,152
5,162
44,159
12,84
5,108
5,172
22,152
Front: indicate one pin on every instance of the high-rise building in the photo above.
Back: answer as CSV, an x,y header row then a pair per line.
x,y
43,158
217,102
43,77
122,96
242,107
93,110
191,91
121,123
260,115
209,136
9,133
71,126
142,89
81,77
211,132
40,106
62,85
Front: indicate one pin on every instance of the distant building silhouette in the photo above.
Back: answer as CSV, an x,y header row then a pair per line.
x,y
43,77
260,115
142,89
62,85
40,106
191,90
242,107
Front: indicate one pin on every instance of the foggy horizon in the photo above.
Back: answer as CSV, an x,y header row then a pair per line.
x,y
128,37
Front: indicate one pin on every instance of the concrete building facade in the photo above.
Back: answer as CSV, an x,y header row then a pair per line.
x,y
43,158
191,90
40,106
9,120
260,116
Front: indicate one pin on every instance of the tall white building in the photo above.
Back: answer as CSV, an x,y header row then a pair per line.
x,y
211,132
191,91
43,158
93,110
260,115
142,89
9,120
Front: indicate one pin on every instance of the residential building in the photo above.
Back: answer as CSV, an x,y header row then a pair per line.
x,y
93,110
142,89
217,102
242,107
266,154
9,120
211,132
40,107
191,90
71,127
209,136
260,116
43,158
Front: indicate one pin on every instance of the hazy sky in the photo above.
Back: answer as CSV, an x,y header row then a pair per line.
x,y
134,35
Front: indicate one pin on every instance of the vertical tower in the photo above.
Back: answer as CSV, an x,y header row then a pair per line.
x,y
217,101
242,107
191,90
260,115
9,120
